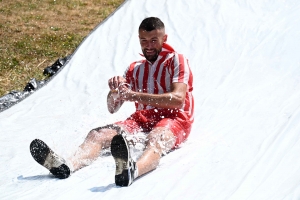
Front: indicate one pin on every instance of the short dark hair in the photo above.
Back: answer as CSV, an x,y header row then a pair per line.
x,y
151,23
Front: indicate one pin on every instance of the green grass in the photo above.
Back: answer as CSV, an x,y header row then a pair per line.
x,y
35,33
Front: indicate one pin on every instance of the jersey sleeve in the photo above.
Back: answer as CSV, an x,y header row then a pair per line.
x,y
182,72
128,74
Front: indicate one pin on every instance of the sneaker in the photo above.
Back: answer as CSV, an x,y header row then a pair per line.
x,y
126,170
50,160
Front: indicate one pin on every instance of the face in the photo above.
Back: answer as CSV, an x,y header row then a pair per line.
x,y
151,43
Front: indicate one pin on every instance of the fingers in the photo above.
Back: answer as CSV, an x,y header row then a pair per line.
x,y
118,85
124,86
115,81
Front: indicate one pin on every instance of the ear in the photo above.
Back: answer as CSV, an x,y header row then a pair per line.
x,y
165,38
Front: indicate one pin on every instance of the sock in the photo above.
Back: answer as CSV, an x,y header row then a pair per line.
x,y
136,171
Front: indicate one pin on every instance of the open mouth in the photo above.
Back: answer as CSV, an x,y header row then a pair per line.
x,y
150,52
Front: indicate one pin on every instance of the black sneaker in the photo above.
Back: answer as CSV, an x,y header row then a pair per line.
x,y
47,158
126,170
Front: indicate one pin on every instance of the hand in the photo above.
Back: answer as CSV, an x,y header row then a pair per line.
x,y
115,82
125,91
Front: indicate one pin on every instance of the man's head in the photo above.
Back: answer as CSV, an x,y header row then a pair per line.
x,y
152,36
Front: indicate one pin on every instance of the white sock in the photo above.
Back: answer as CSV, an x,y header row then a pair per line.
x,y
136,171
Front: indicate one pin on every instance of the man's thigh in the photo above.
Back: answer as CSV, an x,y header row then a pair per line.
x,y
179,131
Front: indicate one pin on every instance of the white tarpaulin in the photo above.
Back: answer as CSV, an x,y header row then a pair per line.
x,y
245,140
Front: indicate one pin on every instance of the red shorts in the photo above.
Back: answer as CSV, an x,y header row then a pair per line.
x,y
145,120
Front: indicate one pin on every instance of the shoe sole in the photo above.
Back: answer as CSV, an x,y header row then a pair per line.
x,y
42,154
119,150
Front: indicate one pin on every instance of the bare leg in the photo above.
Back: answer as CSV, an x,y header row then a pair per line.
x,y
160,140
90,149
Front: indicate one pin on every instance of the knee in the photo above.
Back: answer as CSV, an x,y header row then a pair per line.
x,y
94,135
160,134
101,136
162,139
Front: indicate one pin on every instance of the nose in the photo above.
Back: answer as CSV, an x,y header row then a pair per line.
x,y
149,44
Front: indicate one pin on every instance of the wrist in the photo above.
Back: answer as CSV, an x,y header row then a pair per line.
x,y
133,96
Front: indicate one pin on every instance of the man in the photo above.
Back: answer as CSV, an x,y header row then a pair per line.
x,y
161,88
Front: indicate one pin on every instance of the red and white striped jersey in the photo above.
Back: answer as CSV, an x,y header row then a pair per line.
x,y
170,67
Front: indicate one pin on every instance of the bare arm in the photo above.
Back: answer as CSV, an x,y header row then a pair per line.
x,y
173,99
119,93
